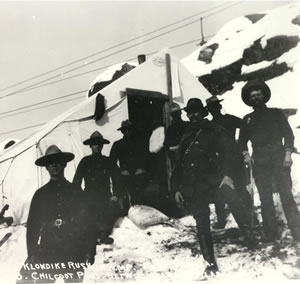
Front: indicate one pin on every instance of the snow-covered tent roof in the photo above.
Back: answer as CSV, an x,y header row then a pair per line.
x,y
19,176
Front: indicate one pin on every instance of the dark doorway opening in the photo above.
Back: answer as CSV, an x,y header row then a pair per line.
x,y
146,111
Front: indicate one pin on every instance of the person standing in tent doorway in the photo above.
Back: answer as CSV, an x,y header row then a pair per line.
x,y
273,142
132,158
98,171
201,179
58,244
231,124
173,135
175,130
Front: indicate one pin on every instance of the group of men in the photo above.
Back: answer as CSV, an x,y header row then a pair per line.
x,y
208,166
211,167
67,221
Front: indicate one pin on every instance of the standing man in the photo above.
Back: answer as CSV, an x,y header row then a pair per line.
x,y
203,176
98,171
56,226
231,124
176,129
132,158
272,142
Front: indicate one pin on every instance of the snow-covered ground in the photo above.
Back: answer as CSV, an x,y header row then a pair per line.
x,y
170,252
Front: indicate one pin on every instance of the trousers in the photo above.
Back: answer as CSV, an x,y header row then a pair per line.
x,y
268,170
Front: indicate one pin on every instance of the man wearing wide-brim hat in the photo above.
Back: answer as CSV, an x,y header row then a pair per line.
x,y
176,128
56,225
272,142
132,158
231,124
97,171
207,163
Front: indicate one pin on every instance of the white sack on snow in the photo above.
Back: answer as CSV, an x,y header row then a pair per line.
x,y
144,216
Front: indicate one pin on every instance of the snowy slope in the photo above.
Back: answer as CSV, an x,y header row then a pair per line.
x,y
267,46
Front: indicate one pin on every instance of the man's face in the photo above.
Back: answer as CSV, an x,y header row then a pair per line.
x,y
127,132
55,169
175,115
256,97
214,108
194,116
97,148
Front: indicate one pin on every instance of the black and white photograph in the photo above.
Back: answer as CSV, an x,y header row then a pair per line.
x,y
149,141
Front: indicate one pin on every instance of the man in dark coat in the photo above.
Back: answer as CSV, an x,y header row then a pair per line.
x,y
203,176
176,128
230,123
57,238
132,158
98,171
272,141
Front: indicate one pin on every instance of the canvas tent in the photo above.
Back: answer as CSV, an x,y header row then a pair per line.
x,y
19,176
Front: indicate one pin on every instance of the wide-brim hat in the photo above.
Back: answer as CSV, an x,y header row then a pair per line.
x,y
213,100
174,107
96,138
54,154
125,124
195,104
255,85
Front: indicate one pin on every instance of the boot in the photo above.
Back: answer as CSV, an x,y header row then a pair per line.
x,y
219,225
250,239
295,233
207,249
242,218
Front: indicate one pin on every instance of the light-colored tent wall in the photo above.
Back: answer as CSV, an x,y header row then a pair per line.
x,y
21,178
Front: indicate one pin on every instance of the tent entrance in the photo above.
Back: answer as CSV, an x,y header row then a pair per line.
x,y
146,110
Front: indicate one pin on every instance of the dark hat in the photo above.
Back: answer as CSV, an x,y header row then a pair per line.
x,y
54,154
174,107
212,100
195,104
95,139
125,124
252,85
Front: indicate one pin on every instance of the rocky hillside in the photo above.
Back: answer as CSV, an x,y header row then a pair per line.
x,y
264,45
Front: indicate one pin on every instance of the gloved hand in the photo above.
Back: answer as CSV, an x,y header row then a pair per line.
x,y
124,173
247,158
227,181
287,160
139,171
114,198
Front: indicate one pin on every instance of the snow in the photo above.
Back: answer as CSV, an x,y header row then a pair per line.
x,y
170,251
109,72
240,33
